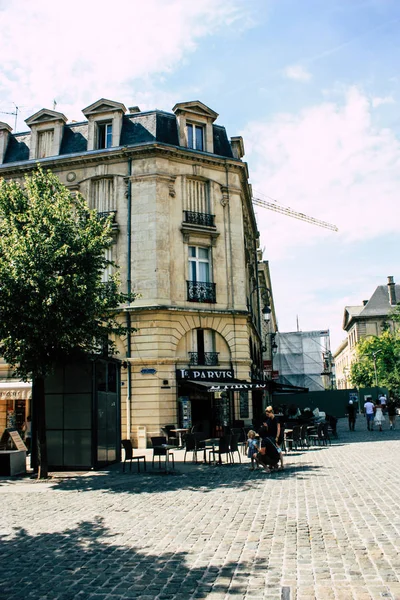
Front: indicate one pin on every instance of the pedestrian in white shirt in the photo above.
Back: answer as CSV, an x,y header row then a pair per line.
x,y
369,410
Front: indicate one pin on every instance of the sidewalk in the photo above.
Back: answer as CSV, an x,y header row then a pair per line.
x,y
326,527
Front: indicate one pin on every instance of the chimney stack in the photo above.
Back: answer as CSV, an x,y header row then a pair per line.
x,y
392,291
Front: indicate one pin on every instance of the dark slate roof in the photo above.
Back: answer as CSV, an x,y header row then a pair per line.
x,y
378,304
74,139
137,128
222,146
17,148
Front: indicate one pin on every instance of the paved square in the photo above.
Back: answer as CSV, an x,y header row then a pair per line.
x,y
328,526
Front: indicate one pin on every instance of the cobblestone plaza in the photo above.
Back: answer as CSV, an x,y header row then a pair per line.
x,y
327,527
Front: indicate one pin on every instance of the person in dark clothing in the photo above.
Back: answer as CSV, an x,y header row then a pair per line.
x,y
269,455
271,430
391,408
352,414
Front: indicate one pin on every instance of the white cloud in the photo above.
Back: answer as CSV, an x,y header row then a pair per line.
x,y
330,162
379,100
76,52
297,72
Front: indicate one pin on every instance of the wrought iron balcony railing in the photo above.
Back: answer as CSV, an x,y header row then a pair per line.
x,y
208,359
107,213
197,218
200,291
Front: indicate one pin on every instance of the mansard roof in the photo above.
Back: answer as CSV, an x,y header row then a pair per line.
x,y
45,115
137,129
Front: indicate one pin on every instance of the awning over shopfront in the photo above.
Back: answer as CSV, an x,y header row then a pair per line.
x,y
233,386
15,390
238,385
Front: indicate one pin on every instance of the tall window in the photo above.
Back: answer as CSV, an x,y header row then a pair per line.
x,y
199,264
106,275
45,143
195,135
102,195
104,135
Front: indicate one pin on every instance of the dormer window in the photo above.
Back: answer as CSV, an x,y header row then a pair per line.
x,y
45,143
47,128
195,125
104,135
195,136
104,124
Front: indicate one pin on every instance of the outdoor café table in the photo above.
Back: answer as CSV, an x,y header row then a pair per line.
x,y
180,432
166,447
210,443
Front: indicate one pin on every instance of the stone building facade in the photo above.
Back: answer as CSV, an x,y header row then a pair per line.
x,y
367,319
186,242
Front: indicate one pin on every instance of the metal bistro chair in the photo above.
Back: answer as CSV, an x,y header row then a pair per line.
x,y
235,447
193,444
128,448
242,437
224,447
158,450
317,437
293,441
325,434
304,441
171,439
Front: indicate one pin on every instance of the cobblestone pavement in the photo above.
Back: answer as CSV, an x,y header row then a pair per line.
x,y
327,527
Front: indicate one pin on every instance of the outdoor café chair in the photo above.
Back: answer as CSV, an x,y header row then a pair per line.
x,y
235,447
158,450
325,434
241,433
128,449
293,441
171,439
317,437
223,447
192,444
304,436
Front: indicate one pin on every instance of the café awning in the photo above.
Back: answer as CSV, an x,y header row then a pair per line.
x,y
15,390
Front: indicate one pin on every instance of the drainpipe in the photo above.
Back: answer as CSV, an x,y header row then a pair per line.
x,y
129,290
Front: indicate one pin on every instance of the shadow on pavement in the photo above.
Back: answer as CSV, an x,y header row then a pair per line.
x,y
206,479
84,562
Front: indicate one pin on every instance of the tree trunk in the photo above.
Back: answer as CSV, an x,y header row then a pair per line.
x,y
41,428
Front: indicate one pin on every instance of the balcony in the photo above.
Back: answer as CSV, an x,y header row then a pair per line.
x,y
197,218
108,213
200,291
207,359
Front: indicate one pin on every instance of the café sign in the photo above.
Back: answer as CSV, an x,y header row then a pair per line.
x,y
209,375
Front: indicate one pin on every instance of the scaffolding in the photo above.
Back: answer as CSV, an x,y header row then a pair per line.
x,y
304,359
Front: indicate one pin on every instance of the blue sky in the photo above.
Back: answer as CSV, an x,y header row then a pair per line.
x,y
312,86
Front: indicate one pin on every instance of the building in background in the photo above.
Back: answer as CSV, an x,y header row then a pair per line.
x,y
370,318
303,359
186,241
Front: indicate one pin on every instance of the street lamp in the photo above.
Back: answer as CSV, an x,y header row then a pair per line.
x,y
374,359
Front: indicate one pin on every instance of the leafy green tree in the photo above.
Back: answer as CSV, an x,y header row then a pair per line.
x,y
53,304
381,353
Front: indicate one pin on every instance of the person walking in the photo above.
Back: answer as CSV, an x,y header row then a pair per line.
x,y
379,418
383,403
369,411
352,414
391,408
271,429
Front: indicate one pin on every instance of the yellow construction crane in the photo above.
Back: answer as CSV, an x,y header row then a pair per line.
x,y
285,210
